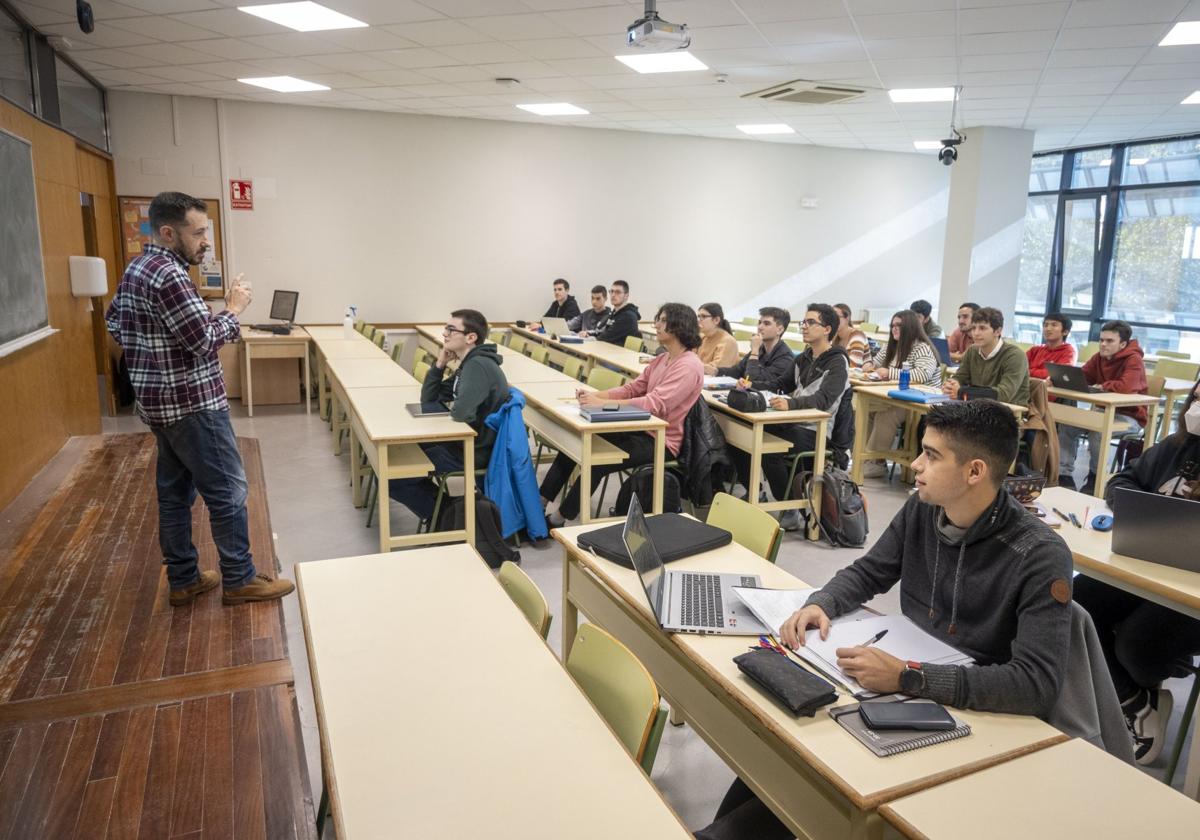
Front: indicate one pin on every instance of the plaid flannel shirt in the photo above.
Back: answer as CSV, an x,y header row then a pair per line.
x,y
170,338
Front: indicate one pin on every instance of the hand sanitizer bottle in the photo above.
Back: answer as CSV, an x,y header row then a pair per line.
x,y
348,323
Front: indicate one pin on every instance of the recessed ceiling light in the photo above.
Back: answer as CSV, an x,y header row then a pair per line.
x,y
668,62
1185,32
767,128
927,145
553,109
1138,161
283,84
942,94
1194,99
303,17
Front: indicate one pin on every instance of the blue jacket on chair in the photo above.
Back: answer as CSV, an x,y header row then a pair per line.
x,y
511,482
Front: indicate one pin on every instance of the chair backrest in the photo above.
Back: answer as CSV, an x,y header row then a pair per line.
x,y
1177,369
752,320
420,369
397,349
602,379
752,527
868,327
497,336
525,594
368,332
618,685
742,335
1088,350
539,354
378,337
516,342
634,343
572,368
1155,385
1172,354
360,325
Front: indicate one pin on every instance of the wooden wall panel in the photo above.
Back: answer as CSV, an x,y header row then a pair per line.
x,y
50,387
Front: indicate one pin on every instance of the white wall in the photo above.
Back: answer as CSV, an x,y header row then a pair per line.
x,y
410,216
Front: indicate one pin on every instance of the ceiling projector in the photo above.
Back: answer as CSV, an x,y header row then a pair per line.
x,y
650,32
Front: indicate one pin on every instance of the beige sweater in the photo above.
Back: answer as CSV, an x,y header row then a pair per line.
x,y
718,348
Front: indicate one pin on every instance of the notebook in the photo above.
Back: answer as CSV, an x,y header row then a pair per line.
x,y
893,741
621,414
915,395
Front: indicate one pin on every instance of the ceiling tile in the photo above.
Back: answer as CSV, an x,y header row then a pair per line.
x,y
366,40
768,11
438,33
726,37
912,25
1124,12
1093,37
480,53
295,43
232,48
229,22
168,54
350,62
1007,42
517,27
604,20
419,57
934,47
163,28
1004,61
809,31
380,12
104,36
1010,18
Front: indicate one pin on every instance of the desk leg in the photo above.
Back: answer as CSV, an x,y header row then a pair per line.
x,y
814,515
469,488
307,383
1191,783
756,454
861,419
1168,413
333,423
570,613
1102,456
585,480
249,383
356,471
383,499
323,395
660,460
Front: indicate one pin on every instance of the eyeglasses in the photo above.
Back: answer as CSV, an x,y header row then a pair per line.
x,y
809,322
449,330
703,316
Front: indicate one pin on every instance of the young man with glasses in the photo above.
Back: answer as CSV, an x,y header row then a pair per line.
x,y
768,365
478,388
622,322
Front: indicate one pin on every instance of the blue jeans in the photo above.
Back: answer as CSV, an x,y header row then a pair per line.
x,y
420,494
200,453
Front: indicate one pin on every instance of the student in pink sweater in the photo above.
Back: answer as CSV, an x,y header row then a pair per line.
x,y
667,388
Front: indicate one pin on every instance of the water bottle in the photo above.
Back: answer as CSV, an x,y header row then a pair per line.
x,y
348,323
905,377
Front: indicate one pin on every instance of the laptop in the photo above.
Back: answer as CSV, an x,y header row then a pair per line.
x,y
687,602
1070,378
428,409
556,327
283,308
942,346
1156,528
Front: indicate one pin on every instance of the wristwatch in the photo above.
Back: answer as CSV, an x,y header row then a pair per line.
x,y
912,678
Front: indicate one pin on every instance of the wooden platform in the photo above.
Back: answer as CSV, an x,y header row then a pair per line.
x,y
121,716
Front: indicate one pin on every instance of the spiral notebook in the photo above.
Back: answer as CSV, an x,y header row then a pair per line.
x,y
892,741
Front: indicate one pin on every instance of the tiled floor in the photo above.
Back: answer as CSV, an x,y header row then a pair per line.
x,y
308,489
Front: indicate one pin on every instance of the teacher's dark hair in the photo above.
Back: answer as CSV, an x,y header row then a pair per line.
x,y
171,208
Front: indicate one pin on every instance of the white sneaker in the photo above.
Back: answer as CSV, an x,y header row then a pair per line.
x,y
1147,716
875,469
790,520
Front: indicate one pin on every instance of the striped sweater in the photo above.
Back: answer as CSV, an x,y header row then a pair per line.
x,y
923,365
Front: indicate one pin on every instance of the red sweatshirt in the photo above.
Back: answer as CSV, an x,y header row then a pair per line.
x,y
1039,354
1124,373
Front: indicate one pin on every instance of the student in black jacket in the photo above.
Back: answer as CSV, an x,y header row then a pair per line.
x,y
769,363
1144,642
590,319
622,322
564,305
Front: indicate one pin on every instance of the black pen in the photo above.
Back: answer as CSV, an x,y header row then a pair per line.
x,y
1075,521
874,638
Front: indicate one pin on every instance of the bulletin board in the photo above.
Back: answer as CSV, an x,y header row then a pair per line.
x,y
209,277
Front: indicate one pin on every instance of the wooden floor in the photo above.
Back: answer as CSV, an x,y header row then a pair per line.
x,y
121,716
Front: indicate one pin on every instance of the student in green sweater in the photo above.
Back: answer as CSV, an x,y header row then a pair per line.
x,y
991,362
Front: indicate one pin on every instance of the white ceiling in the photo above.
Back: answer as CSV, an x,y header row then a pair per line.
x,y
1078,72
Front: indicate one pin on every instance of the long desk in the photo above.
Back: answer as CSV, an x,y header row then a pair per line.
x,y
266,345
328,332
504,745
517,367
339,348
1100,420
1070,790
592,352
872,396
1176,589
382,430
747,431
371,372
813,774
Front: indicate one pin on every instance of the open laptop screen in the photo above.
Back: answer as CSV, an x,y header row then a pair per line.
x,y
283,306
642,552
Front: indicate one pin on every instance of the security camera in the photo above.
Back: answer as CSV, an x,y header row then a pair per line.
x,y
948,154
83,14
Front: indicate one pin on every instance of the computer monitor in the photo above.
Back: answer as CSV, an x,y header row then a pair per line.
x,y
283,306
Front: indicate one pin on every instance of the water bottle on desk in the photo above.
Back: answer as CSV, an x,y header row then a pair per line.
x,y
905,377
348,323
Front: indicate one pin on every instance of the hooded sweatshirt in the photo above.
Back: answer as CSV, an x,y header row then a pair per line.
x,y
621,324
1124,373
774,370
1171,468
477,389
568,309
1000,591
823,383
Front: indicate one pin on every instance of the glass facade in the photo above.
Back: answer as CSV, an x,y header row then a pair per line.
x,y
81,105
16,77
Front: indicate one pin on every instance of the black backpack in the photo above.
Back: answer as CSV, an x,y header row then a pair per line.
x,y
488,540
843,519
641,481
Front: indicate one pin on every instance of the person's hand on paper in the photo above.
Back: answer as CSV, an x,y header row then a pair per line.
x,y
780,403
792,630
874,669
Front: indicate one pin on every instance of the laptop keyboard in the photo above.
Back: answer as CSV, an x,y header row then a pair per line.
x,y
701,601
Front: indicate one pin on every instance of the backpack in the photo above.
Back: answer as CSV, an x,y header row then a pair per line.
x,y
843,520
488,542
641,481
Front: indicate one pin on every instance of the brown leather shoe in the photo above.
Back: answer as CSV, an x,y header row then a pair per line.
x,y
206,581
262,588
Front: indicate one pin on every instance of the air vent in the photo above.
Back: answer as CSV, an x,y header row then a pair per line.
x,y
803,92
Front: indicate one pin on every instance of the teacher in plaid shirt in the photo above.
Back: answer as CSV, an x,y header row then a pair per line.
x,y
171,340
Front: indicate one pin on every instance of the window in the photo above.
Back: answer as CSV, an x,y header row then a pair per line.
x,y
1046,173
1090,168
16,79
81,105
1036,246
1157,163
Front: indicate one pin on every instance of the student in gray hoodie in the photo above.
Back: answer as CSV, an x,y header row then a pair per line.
x,y
975,569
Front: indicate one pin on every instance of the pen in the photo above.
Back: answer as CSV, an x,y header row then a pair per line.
x,y
1060,514
1075,521
874,638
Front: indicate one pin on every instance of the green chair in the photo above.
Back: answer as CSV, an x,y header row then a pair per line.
x,y
397,349
1188,711
797,344
752,527
634,343
603,379
1088,350
497,336
443,490
621,689
540,355
516,342
1172,354
1024,345
420,370
378,338
868,327
1177,369
750,321
368,332
572,368
742,335
525,594
360,325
